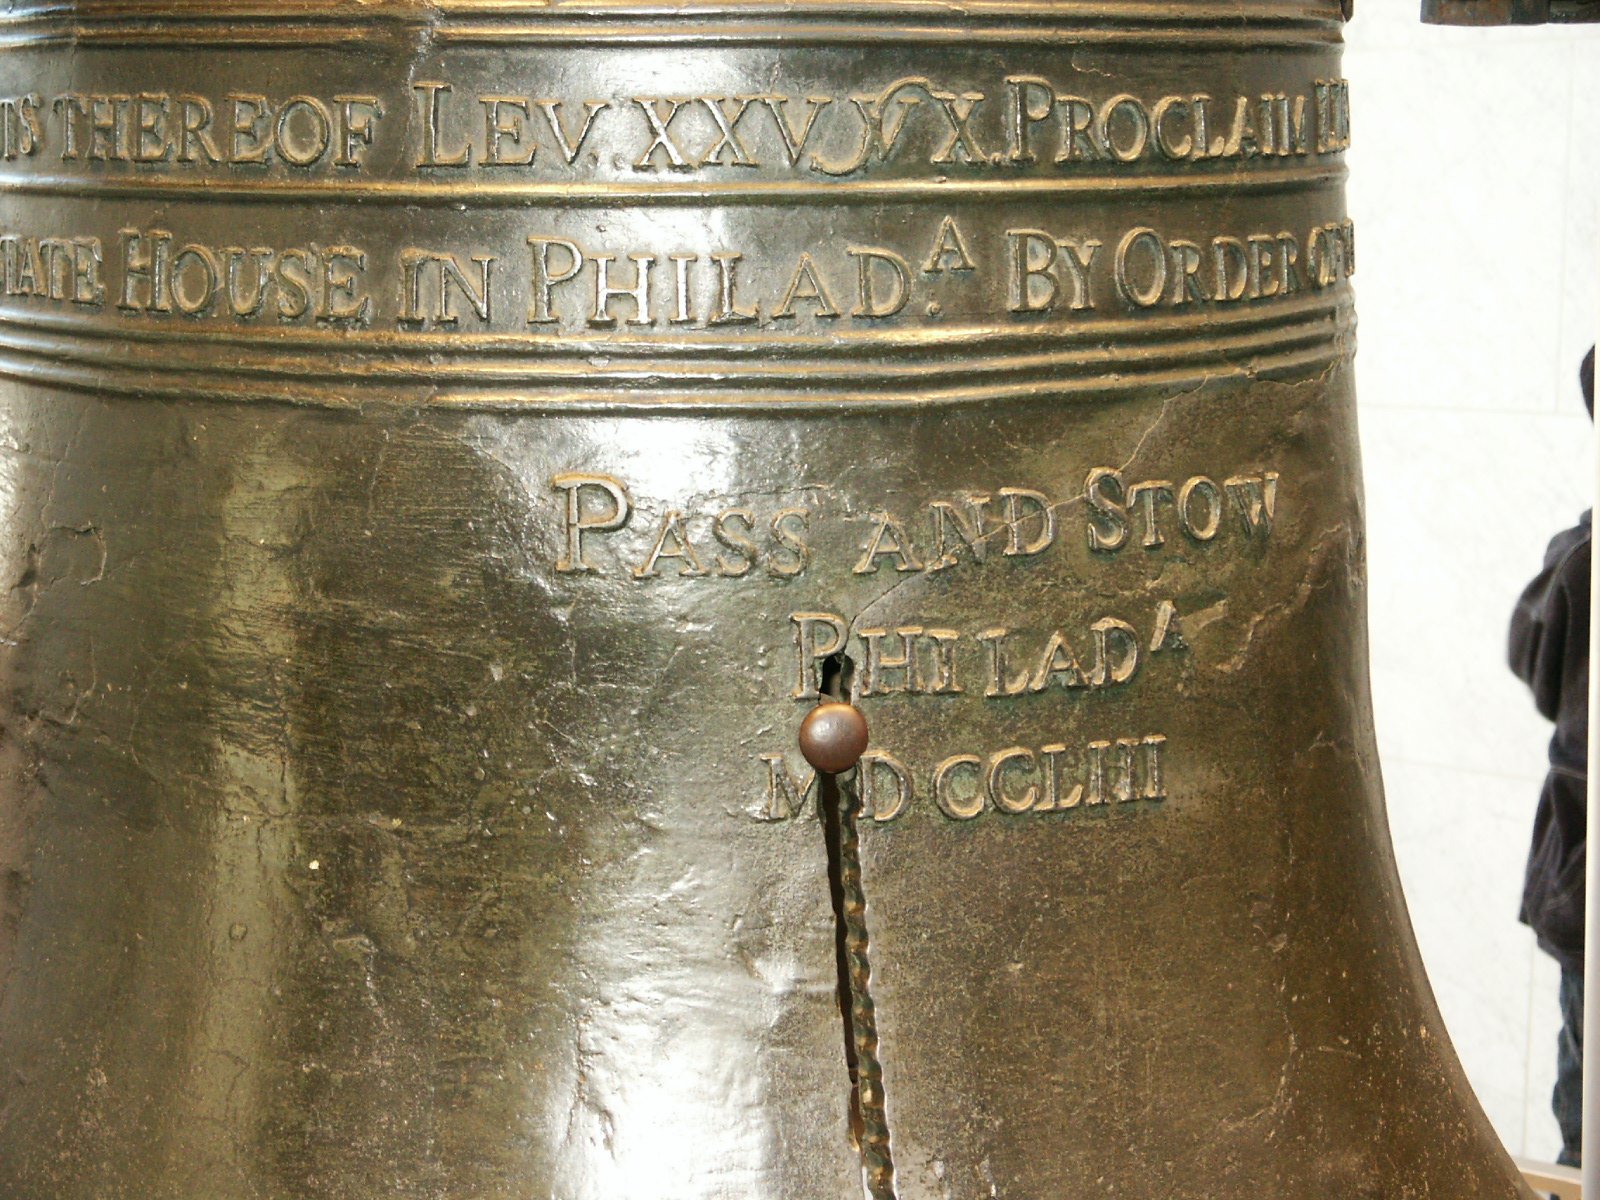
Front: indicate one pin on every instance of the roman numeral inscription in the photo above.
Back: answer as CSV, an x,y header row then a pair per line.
x,y
989,123
1044,679
941,200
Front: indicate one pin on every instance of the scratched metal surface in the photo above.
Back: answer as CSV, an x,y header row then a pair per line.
x,y
443,449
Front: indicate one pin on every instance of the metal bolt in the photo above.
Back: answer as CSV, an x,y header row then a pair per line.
x,y
833,737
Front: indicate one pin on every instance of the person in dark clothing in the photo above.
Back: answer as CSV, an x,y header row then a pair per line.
x,y
1550,652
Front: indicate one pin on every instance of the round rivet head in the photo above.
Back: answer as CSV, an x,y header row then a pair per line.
x,y
833,737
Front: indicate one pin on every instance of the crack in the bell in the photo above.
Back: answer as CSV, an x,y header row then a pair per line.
x,y
869,1121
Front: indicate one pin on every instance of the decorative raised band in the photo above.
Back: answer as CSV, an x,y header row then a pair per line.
x,y
601,193
307,22
609,371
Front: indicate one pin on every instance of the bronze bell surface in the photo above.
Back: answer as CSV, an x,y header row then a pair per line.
x,y
447,452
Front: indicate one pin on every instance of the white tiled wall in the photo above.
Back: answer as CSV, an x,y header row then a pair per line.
x,y
1475,188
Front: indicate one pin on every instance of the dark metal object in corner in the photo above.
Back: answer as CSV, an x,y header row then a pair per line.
x,y
1510,12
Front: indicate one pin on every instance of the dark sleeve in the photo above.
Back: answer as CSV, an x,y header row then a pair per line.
x,y
1542,626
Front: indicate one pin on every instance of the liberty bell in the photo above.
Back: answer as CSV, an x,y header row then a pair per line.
x,y
451,449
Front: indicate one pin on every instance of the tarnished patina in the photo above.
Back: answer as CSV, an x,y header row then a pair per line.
x,y
446,451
